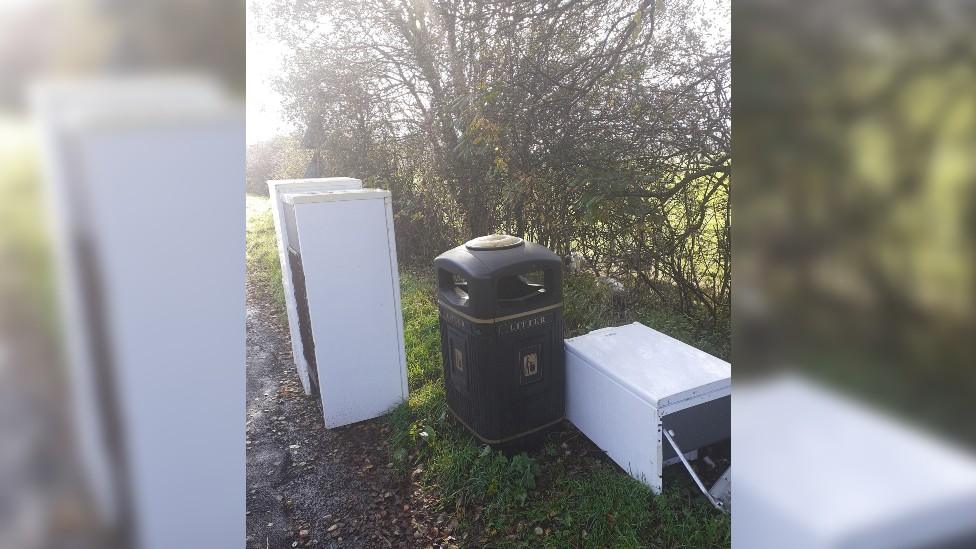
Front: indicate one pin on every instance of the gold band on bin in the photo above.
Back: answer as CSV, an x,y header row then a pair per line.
x,y
501,440
498,319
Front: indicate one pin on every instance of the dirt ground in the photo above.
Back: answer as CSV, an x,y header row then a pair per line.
x,y
42,497
308,486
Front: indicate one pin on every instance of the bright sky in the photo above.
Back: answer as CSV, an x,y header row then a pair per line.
x,y
265,118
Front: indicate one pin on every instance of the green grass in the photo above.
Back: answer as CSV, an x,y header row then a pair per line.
x,y
263,263
420,329
25,248
500,500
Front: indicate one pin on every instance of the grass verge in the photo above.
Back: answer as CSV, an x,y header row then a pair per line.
x,y
263,264
25,247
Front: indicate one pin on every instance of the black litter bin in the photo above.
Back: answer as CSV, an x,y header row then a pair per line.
x,y
500,302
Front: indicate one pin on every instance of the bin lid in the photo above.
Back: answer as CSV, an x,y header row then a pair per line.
x,y
664,372
494,242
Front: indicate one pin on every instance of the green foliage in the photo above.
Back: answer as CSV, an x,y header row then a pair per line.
x,y
263,263
24,240
605,508
519,120
859,229
590,304
420,326
468,476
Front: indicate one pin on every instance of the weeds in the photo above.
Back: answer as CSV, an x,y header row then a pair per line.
x,y
589,304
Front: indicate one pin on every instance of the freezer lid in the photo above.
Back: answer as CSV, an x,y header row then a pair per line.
x,y
315,184
287,189
308,197
657,368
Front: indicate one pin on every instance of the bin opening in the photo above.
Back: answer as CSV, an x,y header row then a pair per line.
x,y
454,285
520,288
460,287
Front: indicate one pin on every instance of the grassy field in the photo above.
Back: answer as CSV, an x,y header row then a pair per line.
x,y
535,499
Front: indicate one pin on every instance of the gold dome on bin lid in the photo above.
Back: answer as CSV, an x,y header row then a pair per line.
x,y
494,242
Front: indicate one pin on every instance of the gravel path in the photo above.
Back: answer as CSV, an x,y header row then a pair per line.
x,y
308,486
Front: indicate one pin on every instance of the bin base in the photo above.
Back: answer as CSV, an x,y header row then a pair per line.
x,y
513,440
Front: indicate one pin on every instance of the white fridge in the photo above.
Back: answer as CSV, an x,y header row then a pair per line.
x,y
144,183
340,251
277,190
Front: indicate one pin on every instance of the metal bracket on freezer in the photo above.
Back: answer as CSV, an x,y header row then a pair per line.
x,y
721,491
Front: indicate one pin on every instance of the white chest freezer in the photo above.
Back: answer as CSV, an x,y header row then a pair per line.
x,y
626,384
815,470
342,255
287,240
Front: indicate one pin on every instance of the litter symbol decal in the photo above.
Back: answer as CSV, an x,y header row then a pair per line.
x,y
530,364
530,367
458,360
